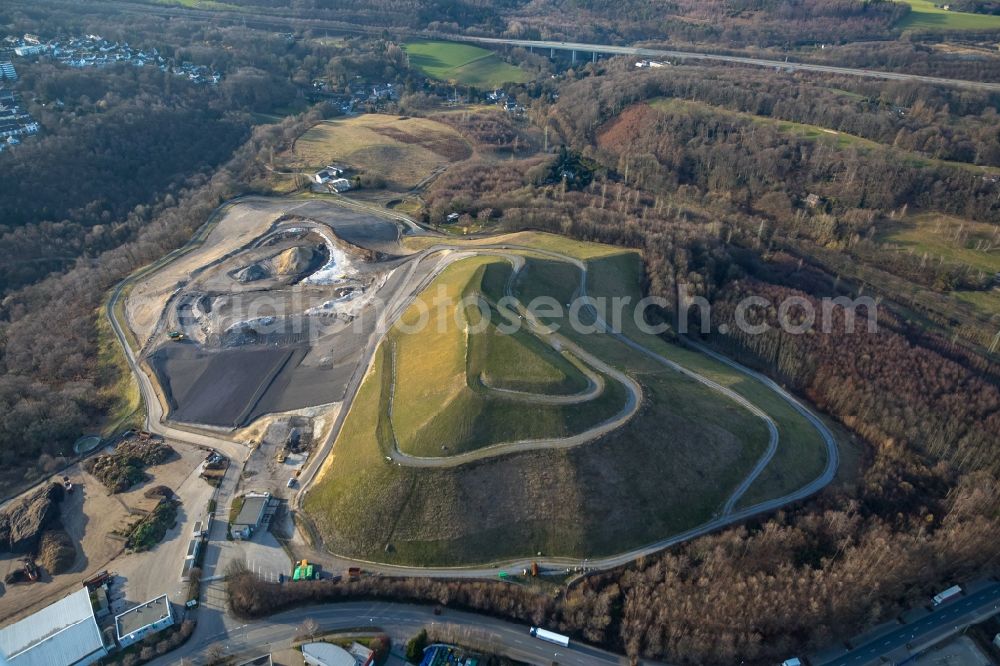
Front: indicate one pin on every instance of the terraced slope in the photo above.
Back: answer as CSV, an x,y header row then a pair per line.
x,y
670,467
458,384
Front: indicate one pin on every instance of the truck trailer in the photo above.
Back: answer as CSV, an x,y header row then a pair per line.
x,y
948,594
549,636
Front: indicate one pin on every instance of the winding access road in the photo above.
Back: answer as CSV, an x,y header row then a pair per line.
x,y
515,640
629,409
728,514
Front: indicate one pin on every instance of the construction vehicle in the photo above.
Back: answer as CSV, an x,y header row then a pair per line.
x,y
176,336
97,580
30,569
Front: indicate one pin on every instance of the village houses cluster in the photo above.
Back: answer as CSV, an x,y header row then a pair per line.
x,y
87,51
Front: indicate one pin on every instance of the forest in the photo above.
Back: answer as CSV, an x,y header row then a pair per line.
x,y
692,169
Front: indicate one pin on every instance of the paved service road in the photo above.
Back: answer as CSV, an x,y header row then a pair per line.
x,y
949,618
400,621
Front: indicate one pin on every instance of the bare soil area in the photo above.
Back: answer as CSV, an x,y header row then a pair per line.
x,y
269,314
89,515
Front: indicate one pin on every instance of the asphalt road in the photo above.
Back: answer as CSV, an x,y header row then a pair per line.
x,y
276,22
670,54
400,621
949,618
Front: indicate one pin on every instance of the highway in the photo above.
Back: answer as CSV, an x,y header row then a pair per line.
x,y
780,65
277,22
951,617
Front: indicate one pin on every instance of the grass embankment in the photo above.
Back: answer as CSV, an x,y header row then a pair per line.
x,y
670,468
462,63
118,385
403,151
949,239
930,15
439,404
801,454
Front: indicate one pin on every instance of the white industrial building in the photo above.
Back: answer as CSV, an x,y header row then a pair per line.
x,y
64,633
326,654
144,620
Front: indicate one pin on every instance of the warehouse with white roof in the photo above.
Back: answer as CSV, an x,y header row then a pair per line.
x,y
64,633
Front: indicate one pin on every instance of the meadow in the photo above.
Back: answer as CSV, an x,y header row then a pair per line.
x,y
462,63
403,151
928,15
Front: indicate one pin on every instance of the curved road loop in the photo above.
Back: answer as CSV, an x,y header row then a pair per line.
x,y
628,410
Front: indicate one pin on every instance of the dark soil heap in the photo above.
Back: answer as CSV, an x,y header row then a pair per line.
x,y
23,521
124,468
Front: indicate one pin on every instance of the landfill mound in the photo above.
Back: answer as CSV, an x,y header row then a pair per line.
x,y
293,261
22,522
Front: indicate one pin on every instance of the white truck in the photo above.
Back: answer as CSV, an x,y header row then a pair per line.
x,y
550,636
948,594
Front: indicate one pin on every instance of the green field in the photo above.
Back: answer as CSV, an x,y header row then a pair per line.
x,y
925,16
462,63
799,129
951,239
402,150
441,404
668,469
987,302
